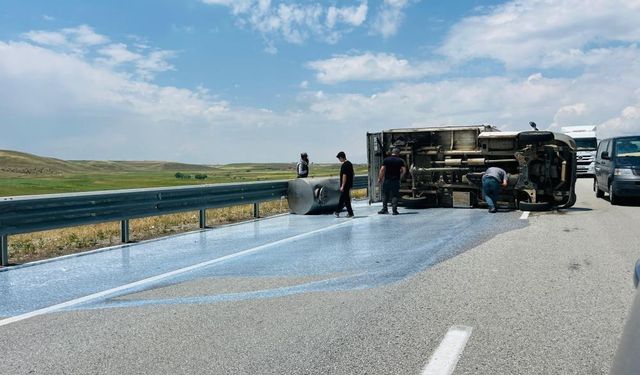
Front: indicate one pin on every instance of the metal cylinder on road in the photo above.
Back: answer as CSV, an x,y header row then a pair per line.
x,y
308,196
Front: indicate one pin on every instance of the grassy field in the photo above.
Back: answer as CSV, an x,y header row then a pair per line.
x,y
91,180
25,174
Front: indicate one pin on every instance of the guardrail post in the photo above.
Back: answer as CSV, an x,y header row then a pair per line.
x,y
4,249
203,219
256,210
124,231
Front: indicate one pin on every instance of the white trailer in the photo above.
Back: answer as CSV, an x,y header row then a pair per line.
x,y
587,142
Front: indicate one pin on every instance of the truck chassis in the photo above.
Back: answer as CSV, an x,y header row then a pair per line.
x,y
446,165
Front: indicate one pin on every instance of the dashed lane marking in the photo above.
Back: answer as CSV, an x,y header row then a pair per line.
x,y
525,215
444,359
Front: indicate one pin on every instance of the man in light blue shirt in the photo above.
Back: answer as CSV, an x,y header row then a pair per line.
x,y
492,180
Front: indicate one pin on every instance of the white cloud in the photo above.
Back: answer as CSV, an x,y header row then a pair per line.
x,y
237,6
47,38
371,67
295,22
116,54
354,16
154,62
145,62
572,110
531,33
71,106
568,115
627,123
390,17
84,35
75,39
607,95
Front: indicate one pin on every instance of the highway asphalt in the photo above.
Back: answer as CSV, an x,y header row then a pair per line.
x,y
317,295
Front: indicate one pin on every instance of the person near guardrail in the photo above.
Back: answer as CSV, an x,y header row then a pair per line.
x,y
391,172
492,180
302,168
346,183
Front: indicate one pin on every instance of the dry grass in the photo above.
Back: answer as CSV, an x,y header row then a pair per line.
x,y
48,244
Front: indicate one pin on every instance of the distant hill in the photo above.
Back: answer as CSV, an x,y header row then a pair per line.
x,y
14,163
20,163
25,174
23,165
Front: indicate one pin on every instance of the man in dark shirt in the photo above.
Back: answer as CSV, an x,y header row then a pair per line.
x,y
346,182
492,180
303,166
392,171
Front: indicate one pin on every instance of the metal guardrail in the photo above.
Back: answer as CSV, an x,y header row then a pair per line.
x,y
25,214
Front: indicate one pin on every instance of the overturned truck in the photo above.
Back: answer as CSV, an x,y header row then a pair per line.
x,y
446,165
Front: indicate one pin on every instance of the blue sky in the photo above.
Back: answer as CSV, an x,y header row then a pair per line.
x,y
219,81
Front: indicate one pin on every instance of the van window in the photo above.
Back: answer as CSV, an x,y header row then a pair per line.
x,y
602,147
627,147
610,147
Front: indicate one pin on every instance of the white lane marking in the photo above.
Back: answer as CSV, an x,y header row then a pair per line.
x,y
444,359
163,276
525,215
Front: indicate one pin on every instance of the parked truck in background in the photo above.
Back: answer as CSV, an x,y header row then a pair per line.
x,y
587,143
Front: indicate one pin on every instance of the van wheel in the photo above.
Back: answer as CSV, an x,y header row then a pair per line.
x,y
528,206
612,197
596,188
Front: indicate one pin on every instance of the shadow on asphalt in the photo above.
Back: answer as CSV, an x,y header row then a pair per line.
x,y
577,209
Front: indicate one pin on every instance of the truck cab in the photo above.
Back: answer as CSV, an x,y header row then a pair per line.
x,y
587,143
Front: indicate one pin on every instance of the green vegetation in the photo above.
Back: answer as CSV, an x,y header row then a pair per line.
x,y
197,176
25,174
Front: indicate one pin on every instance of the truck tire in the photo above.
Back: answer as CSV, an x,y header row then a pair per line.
x,y
571,201
411,202
526,138
528,206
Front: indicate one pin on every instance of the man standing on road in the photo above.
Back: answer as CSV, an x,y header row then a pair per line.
x,y
346,182
303,166
492,179
391,171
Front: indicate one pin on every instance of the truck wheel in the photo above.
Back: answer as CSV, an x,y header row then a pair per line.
x,y
411,202
535,137
571,201
528,206
596,188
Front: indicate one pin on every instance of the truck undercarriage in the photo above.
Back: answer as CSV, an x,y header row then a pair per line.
x,y
446,165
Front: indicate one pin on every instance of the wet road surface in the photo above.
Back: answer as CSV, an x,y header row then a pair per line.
x,y
338,253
